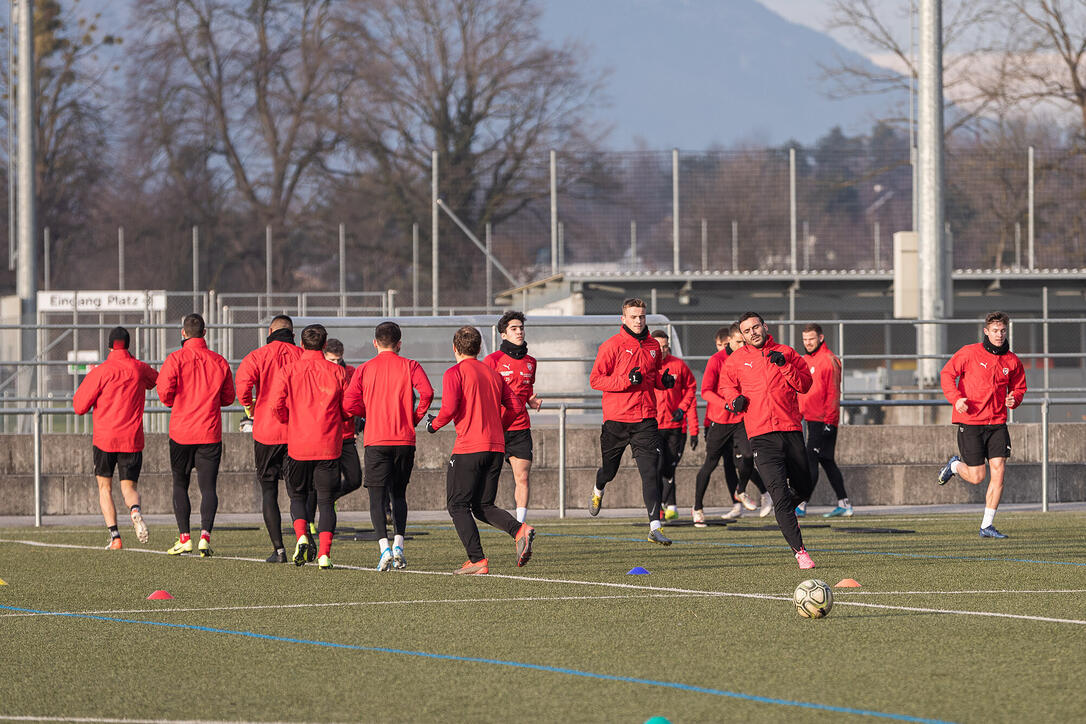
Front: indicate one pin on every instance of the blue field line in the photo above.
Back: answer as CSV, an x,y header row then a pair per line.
x,y
496,662
719,544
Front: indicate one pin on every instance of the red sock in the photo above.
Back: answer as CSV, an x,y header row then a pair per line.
x,y
205,535
326,542
300,528
184,537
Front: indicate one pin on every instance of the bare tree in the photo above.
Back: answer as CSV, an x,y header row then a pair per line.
x,y
474,80
251,87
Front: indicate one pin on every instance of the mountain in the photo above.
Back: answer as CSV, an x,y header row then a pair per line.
x,y
693,73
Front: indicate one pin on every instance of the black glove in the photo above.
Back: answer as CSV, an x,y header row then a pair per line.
x,y
776,358
359,425
705,431
667,380
693,442
677,416
739,404
635,376
430,424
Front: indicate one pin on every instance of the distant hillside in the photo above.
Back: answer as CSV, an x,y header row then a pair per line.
x,y
691,73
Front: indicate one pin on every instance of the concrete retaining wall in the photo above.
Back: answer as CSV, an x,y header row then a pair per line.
x,y
883,465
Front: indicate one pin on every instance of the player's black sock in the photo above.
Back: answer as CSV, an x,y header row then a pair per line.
x,y
113,532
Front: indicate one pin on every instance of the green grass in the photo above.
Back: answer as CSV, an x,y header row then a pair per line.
x,y
924,664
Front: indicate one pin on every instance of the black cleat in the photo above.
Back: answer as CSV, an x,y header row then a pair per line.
x,y
277,557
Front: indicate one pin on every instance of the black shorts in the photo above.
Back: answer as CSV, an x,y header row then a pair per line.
x,y
518,444
127,464
822,439
388,466
978,443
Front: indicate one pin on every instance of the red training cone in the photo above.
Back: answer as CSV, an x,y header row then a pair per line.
x,y
848,583
159,596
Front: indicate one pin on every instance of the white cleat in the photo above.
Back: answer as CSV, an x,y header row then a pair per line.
x,y
735,512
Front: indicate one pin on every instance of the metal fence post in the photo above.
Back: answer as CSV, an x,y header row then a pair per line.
x,y
1044,334
1044,454
562,461
37,467
792,203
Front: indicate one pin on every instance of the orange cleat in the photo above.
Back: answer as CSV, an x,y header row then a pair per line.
x,y
114,544
524,539
477,568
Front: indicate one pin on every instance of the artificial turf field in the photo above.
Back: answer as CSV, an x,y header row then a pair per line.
x,y
946,626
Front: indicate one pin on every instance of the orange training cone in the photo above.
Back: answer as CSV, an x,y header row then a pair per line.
x,y
847,583
159,596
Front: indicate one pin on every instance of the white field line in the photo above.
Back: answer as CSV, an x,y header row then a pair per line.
x,y
951,593
121,611
628,586
96,720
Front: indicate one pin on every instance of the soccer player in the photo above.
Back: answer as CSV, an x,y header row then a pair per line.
x,y
982,381
253,385
517,368
726,435
627,371
762,380
382,391
674,407
821,410
307,395
472,398
350,469
115,389
196,383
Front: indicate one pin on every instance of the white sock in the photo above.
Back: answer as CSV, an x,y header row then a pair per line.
x,y
767,499
672,507
989,517
803,506
383,543
843,503
654,525
954,466
597,491
398,541
522,514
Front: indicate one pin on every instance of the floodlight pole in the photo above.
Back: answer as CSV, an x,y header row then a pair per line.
x,y
26,281
554,213
434,263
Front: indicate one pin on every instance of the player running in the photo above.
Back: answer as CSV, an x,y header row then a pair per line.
x,y
253,384
762,379
307,395
350,470
382,391
675,408
821,410
472,397
725,436
517,368
982,381
116,390
196,383
627,371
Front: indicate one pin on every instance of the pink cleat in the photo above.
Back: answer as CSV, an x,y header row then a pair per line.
x,y
804,559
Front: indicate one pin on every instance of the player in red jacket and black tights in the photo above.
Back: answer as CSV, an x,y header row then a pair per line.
x,y
627,371
676,409
116,390
762,380
196,383
253,384
350,469
472,397
382,391
307,395
983,381
517,368
821,410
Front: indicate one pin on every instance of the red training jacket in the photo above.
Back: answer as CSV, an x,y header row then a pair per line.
x,y
196,383
822,403
115,389
472,397
680,397
772,390
307,395
519,374
615,359
381,390
715,410
348,424
253,383
984,380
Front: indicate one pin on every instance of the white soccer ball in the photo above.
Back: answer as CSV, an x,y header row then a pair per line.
x,y
813,599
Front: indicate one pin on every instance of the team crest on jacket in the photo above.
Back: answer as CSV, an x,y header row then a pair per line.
x,y
529,366
812,370
652,353
1006,371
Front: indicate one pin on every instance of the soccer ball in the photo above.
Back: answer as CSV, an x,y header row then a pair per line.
x,y
813,599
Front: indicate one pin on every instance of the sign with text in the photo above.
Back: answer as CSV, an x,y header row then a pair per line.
x,y
94,301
